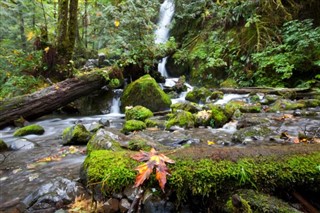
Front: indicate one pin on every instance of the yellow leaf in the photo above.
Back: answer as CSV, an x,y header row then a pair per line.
x,y
30,36
47,49
116,23
211,143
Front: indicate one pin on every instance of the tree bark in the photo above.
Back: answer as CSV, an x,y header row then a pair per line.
x,y
49,99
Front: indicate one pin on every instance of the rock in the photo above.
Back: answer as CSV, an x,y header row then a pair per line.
x,y
139,143
186,106
101,140
145,92
124,205
218,116
3,146
154,204
284,104
21,144
111,206
198,95
58,192
28,130
133,125
203,118
95,126
253,132
182,118
140,113
216,95
130,192
77,134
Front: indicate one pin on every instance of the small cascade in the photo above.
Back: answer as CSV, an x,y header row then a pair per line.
x,y
115,105
228,97
162,32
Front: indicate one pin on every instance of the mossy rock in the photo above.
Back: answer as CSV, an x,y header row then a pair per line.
x,y
140,113
102,140
252,131
28,130
216,95
193,176
77,134
203,118
198,95
229,83
151,123
182,118
244,107
310,102
145,92
133,125
260,202
285,104
218,116
139,143
186,106
3,146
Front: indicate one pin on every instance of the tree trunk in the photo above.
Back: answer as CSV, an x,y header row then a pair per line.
x,y
49,99
21,26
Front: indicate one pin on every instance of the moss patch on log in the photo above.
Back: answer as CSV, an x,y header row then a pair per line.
x,y
207,177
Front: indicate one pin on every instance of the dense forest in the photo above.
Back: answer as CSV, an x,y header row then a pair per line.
x,y
234,43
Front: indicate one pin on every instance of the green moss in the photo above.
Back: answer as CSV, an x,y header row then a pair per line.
x,y
182,118
186,106
145,92
114,169
140,113
151,123
31,129
251,131
218,116
3,146
284,104
136,145
229,83
114,83
77,134
244,208
101,140
216,95
198,95
133,125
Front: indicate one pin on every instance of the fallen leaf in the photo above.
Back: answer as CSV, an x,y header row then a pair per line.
x,y
211,143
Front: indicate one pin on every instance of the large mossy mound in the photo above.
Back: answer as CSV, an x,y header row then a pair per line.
x,y
196,175
28,130
145,92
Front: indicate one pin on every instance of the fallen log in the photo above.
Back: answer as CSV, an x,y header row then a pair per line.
x,y
45,101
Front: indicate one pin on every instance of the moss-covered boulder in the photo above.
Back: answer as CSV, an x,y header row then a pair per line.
x,y
181,118
102,139
204,118
285,104
133,125
28,130
252,131
138,143
218,116
3,146
198,95
254,201
186,106
216,95
77,134
140,113
145,92
244,107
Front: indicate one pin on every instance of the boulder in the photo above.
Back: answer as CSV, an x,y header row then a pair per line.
x,y
146,92
77,134
218,116
28,130
140,113
182,118
186,106
133,125
102,139
198,95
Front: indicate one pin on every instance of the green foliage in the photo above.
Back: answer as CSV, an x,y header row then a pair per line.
x,y
298,53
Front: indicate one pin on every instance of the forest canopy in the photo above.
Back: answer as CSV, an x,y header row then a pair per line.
x,y
214,43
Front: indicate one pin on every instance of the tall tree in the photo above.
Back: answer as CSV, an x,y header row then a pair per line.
x,y
67,29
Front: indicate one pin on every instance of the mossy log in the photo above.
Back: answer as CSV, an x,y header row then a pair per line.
x,y
45,101
211,171
291,92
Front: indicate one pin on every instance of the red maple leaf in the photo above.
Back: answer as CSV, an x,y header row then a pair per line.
x,y
153,160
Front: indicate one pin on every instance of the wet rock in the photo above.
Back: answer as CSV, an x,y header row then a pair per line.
x,y
124,205
198,95
77,134
111,206
145,92
53,195
130,192
95,126
140,113
186,106
216,95
218,116
253,120
203,118
249,134
28,130
182,118
157,205
102,139
21,144
3,146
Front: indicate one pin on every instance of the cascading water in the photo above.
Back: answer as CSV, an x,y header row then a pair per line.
x,y
115,105
162,32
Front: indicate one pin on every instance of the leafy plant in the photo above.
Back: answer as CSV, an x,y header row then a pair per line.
x,y
156,161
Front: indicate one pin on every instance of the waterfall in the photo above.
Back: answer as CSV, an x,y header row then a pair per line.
x,y
162,32
115,105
